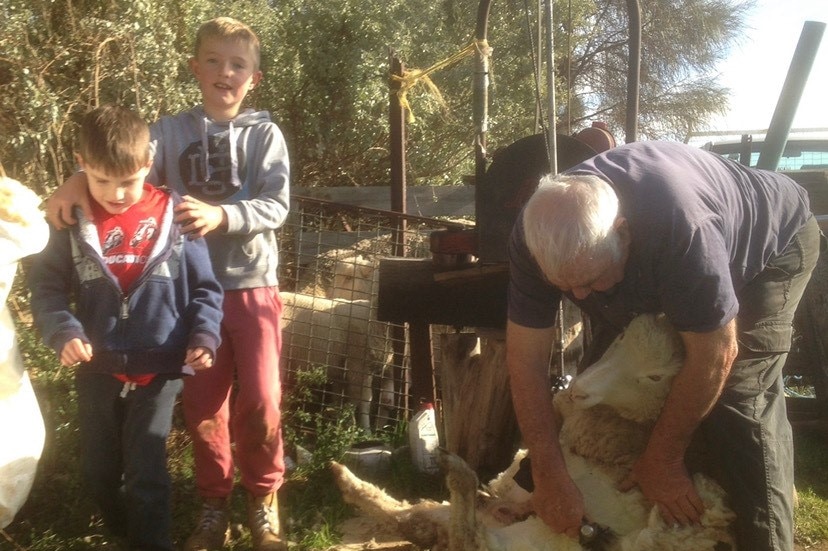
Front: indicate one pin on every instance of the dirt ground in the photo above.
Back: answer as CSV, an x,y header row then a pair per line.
x,y
362,532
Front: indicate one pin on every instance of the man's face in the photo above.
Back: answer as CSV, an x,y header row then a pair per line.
x,y
587,274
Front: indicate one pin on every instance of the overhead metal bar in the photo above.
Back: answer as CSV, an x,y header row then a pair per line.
x,y
783,115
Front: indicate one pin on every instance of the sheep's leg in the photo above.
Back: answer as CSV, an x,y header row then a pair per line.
x,y
364,403
385,403
359,390
364,495
465,530
423,524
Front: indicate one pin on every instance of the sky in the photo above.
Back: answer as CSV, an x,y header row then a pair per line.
x,y
756,67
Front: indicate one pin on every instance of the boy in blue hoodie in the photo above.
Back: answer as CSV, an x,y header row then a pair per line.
x,y
232,165
133,305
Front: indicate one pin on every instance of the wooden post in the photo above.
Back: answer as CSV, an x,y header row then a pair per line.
x,y
479,422
396,122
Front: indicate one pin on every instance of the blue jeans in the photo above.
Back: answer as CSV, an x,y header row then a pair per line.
x,y
748,429
124,455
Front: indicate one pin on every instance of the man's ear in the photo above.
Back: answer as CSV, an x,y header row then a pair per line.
x,y
79,161
193,63
620,225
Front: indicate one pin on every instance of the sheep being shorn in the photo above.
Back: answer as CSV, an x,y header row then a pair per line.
x,y
340,335
607,414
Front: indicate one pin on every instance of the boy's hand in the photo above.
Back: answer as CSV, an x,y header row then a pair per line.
x,y
71,192
199,358
197,218
74,352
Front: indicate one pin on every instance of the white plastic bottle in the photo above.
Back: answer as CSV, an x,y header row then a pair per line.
x,y
424,439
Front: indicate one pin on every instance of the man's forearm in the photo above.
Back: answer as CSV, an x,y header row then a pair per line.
x,y
536,418
695,389
556,498
527,358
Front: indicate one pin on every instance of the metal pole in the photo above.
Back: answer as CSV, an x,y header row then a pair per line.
x,y
480,90
396,121
551,139
633,69
780,126
538,67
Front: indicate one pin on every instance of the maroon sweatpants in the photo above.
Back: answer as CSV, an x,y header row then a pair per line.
x,y
247,364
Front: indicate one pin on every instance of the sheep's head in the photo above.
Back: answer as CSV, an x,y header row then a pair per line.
x,y
635,373
353,278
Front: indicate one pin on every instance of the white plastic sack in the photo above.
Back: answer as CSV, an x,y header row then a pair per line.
x,y
23,231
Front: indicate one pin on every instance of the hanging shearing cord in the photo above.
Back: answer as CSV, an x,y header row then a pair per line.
x,y
543,128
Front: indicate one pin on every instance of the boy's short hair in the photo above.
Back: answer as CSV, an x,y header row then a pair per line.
x,y
228,28
114,139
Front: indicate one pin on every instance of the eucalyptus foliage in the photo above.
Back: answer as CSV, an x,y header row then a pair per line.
x,y
326,68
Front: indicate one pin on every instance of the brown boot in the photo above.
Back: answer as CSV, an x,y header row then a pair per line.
x,y
213,529
263,521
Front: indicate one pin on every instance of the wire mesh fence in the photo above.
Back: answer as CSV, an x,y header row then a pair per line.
x,y
336,354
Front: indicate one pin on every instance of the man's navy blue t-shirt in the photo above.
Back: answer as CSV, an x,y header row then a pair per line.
x,y
701,228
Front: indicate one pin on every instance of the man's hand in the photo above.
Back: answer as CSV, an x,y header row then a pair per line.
x,y
560,505
199,358
71,193
197,218
666,484
74,352
556,499
660,471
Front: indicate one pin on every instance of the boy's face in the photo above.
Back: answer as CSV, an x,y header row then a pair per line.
x,y
115,193
225,71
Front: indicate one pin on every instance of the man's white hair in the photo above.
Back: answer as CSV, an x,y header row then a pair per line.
x,y
571,218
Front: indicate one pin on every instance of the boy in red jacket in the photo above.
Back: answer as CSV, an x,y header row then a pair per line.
x,y
133,304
